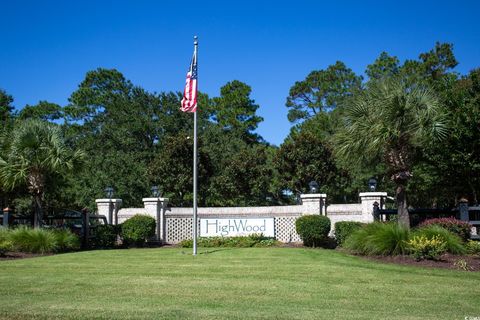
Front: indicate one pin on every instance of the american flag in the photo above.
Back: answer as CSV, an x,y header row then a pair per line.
x,y
189,101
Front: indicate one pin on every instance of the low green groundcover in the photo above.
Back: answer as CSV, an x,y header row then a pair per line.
x,y
237,242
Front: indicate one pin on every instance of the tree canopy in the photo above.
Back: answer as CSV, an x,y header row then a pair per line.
x,y
345,129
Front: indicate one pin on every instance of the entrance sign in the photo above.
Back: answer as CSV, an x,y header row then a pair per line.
x,y
236,227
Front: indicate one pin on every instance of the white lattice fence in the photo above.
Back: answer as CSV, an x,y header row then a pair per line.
x,y
285,229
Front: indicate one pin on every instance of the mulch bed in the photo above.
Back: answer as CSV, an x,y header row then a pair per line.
x,y
22,255
447,261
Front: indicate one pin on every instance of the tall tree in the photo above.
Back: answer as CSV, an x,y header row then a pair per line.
x,y
303,157
321,91
6,109
120,127
44,110
387,123
234,111
36,151
431,67
385,66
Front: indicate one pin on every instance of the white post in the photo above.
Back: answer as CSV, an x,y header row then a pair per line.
x,y
156,207
109,208
314,203
368,199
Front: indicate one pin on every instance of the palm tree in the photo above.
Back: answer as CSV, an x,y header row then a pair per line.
x,y
389,121
35,151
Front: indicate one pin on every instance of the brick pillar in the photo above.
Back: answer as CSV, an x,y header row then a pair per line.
x,y
314,203
109,208
368,200
156,207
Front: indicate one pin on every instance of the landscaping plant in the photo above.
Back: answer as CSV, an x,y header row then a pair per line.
x,y
473,247
458,227
105,236
379,239
253,240
33,240
138,229
343,229
422,247
452,241
313,230
66,240
5,243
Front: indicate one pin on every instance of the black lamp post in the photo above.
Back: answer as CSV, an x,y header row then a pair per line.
x,y
372,184
109,192
313,186
155,191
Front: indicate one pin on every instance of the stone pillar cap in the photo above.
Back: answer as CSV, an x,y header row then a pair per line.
x,y
372,194
313,195
107,200
154,199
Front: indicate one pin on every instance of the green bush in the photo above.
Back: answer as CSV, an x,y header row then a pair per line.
x,y
253,240
138,229
460,228
343,229
313,230
427,248
33,240
5,243
453,242
379,239
473,247
105,236
66,240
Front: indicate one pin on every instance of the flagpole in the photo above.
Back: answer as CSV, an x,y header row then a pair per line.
x,y
195,223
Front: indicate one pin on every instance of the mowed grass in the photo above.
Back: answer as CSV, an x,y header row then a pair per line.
x,y
253,283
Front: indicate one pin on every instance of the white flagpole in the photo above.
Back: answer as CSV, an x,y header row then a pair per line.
x,y
195,223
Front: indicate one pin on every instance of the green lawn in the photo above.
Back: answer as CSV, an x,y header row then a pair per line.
x,y
254,283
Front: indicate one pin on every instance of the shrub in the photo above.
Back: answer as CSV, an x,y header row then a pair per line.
x,y
138,229
473,247
458,227
379,239
5,243
343,229
452,241
253,240
424,248
33,240
66,240
313,229
105,236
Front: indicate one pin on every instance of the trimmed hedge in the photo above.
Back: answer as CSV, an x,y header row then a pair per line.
x,y
105,236
343,229
313,230
138,229
458,227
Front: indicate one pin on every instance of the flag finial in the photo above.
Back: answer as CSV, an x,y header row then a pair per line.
x,y
195,40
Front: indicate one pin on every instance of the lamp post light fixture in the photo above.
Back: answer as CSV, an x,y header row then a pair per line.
x,y
155,191
109,192
313,186
372,184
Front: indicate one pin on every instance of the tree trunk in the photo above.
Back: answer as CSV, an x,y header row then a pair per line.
x,y
402,209
38,214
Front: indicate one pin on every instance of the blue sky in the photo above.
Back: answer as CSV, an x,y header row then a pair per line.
x,y
48,46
